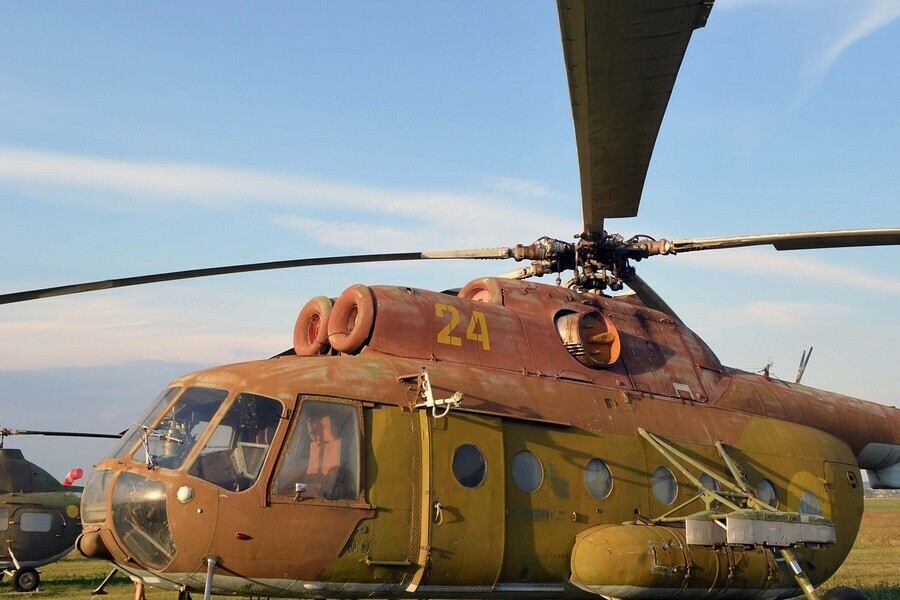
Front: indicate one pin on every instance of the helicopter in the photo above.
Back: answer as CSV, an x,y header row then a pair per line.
x,y
508,439
39,516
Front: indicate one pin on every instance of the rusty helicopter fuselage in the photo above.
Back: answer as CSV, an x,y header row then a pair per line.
x,y
514,440
566,470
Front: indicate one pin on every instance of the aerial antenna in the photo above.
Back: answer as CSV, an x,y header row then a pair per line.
x,y
804,360
766,370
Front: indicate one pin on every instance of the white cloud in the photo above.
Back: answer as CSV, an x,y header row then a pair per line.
x,y
858,19
781,314
880,13
524,187
441,213
368,237
795,268
107,331
360,236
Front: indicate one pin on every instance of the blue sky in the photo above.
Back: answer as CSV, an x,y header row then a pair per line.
x,y
138,138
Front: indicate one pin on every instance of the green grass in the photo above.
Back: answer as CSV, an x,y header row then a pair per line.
x,y
872,567
75,577
882,504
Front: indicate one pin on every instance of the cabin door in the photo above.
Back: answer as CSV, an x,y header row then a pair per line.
x,y
466,486
38,533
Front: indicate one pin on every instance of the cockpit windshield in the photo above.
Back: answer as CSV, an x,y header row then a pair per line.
x,y
127,441
234,454
168,442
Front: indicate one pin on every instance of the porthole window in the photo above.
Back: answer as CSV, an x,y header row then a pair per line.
x,y
527,472
707,481
597,478
469,465
665,488
809,504
765,491
4,519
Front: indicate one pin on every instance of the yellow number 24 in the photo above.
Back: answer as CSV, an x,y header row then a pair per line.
x,y
476,331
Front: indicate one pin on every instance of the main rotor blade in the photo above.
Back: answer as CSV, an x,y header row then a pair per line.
x,y
78,288
7,432
622,58
794,241
648,295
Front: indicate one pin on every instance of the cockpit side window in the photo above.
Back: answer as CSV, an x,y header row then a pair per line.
x,y
168,443
322,459
234,454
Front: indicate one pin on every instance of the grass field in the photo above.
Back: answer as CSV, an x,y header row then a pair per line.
x,y
873,566
874,563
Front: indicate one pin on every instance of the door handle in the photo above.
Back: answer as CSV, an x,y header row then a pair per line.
x,y
438,517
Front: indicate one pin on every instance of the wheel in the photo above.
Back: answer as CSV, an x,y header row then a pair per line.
x,y
26,580
843,592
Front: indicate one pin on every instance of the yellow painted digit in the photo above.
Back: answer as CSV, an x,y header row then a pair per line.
x,y
481,335
444,335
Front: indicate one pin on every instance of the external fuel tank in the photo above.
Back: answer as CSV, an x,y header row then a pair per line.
x,y
655,561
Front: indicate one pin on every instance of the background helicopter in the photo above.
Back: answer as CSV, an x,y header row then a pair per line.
x,y
39,515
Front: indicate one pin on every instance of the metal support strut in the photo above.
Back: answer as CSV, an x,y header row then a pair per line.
x,y
739,491
805,584
211,562
99,591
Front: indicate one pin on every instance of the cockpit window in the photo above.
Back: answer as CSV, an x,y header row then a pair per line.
x,y
127,441
168,443
235,452
322,459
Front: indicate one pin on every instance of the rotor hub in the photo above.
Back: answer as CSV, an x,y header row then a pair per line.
x,y
599,261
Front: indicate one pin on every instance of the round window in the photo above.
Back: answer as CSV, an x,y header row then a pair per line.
x,y
809,504
665,488
707,481
527,471
469,466
765,491
597,478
